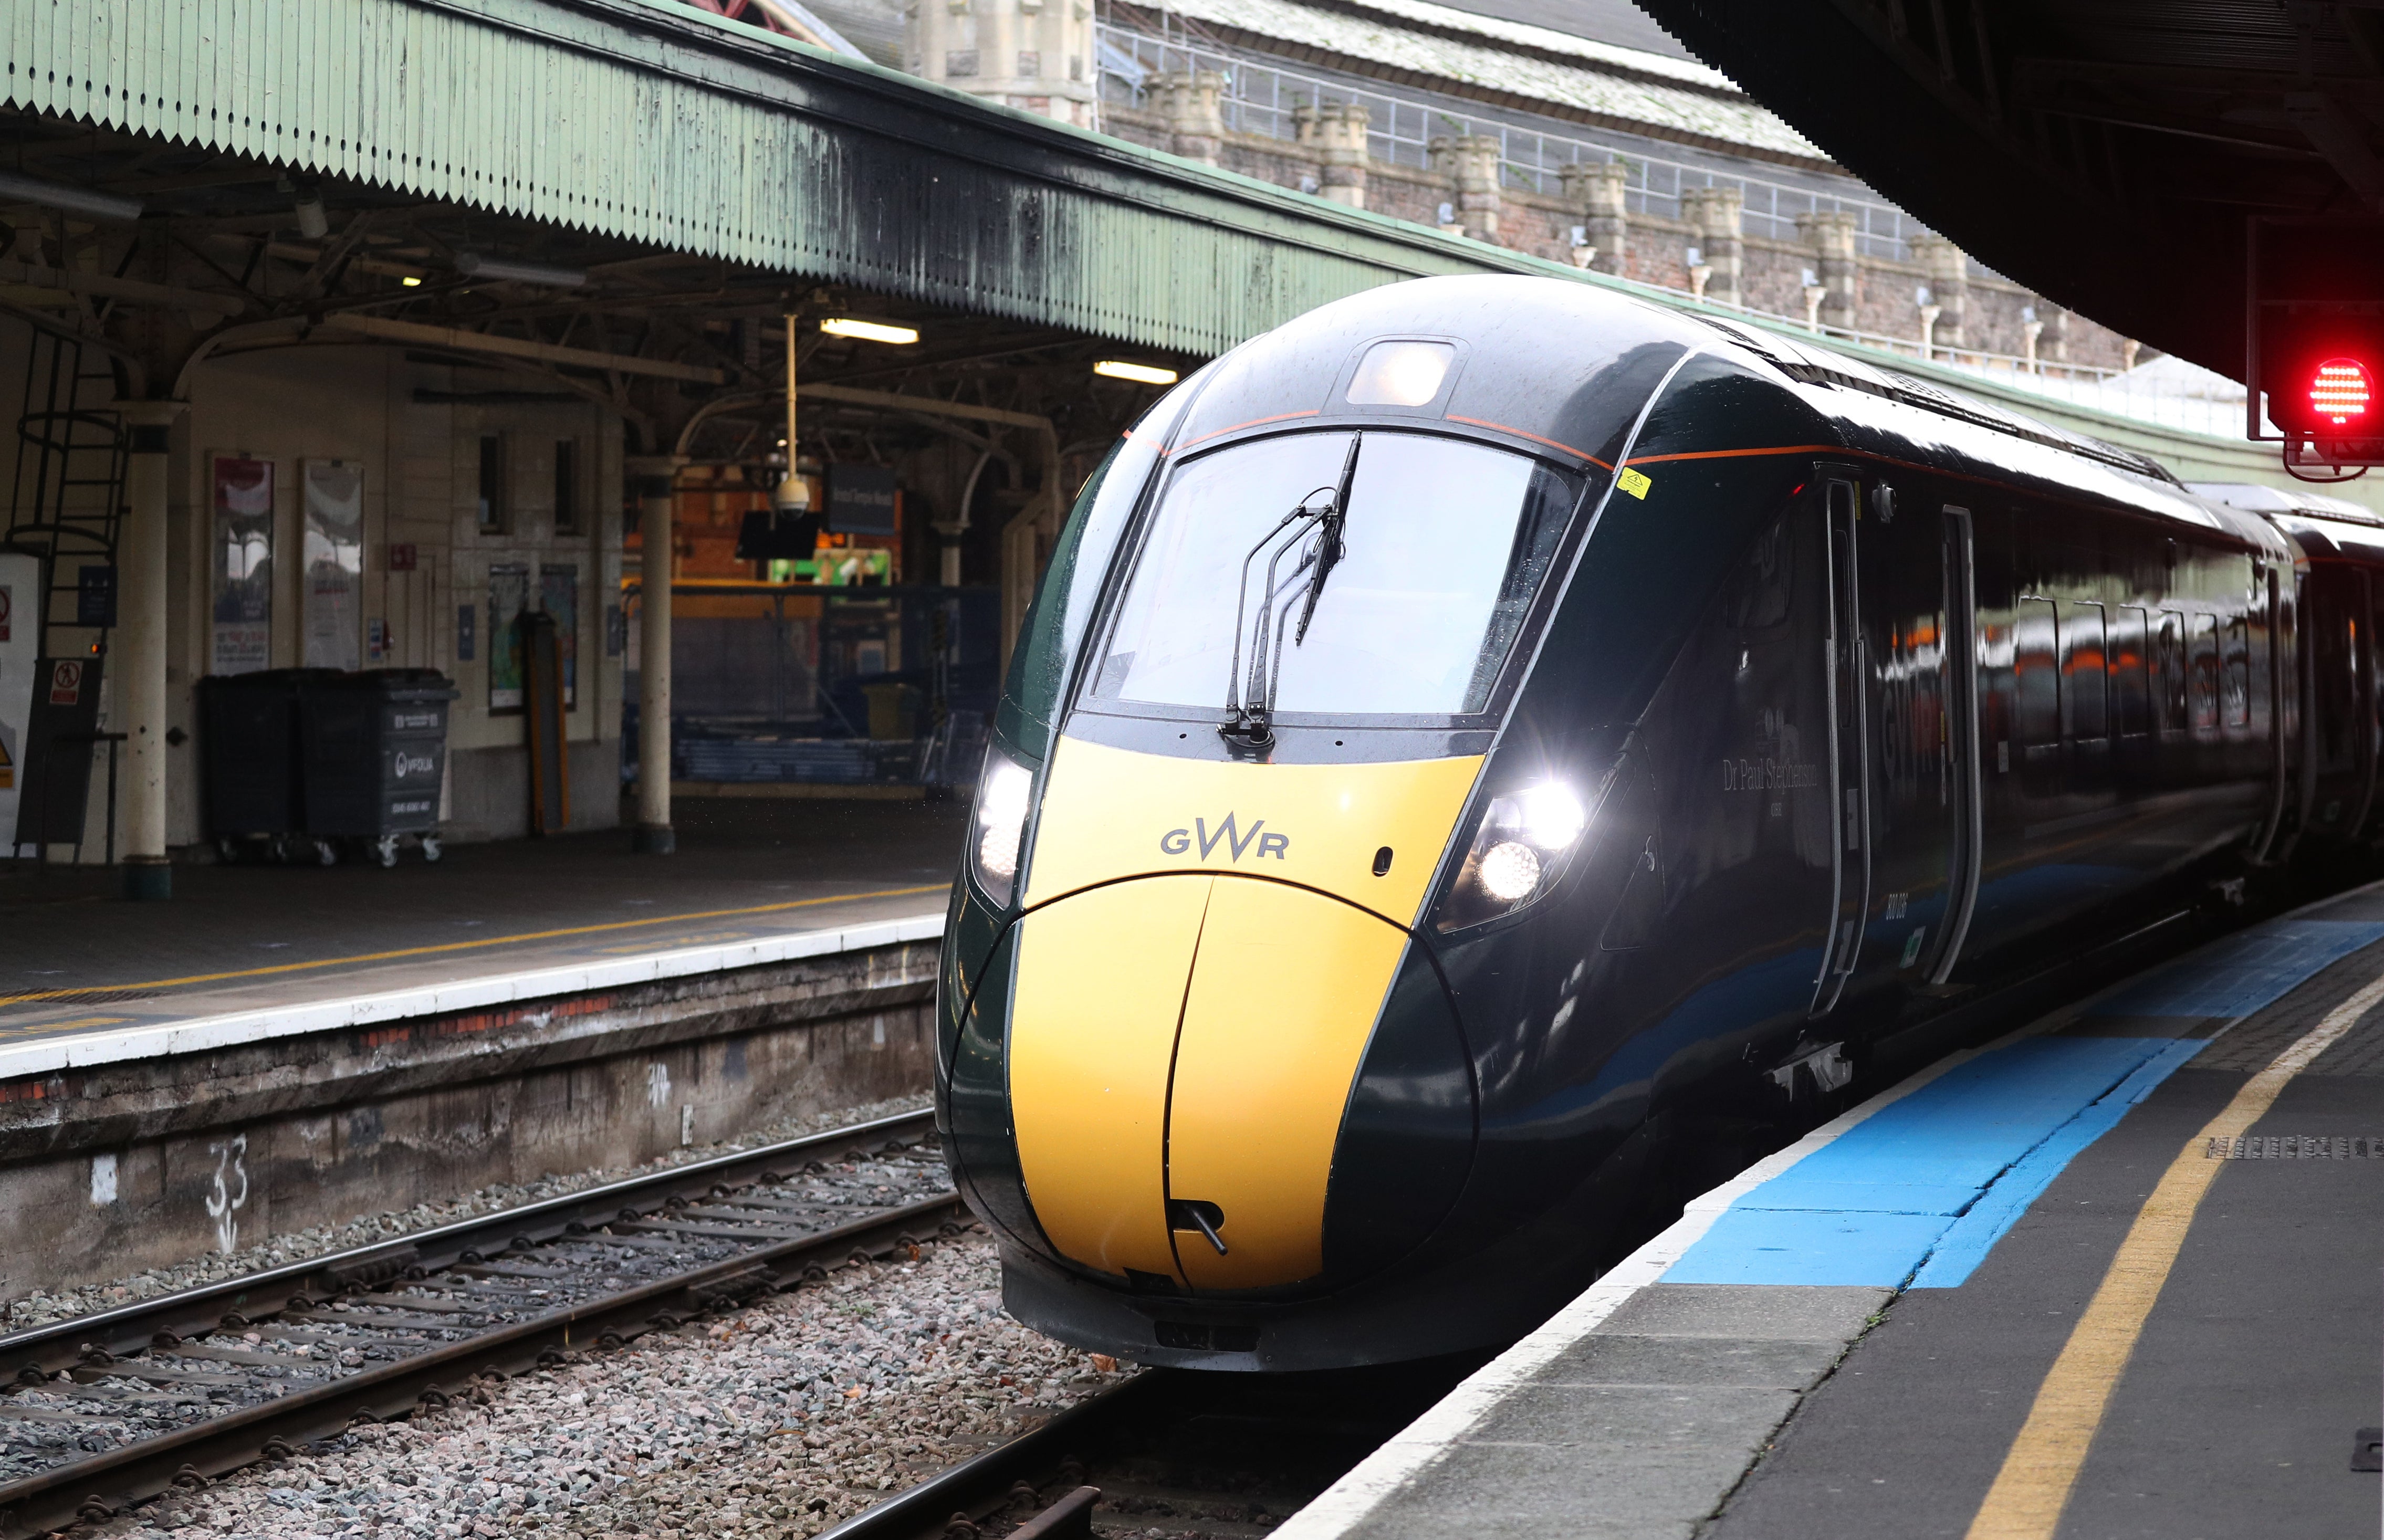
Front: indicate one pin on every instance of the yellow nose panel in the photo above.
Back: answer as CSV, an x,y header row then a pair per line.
x,y
1111,813
1282,1002
1099,989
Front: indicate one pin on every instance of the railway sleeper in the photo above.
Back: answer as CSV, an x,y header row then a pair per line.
x,y
442,1349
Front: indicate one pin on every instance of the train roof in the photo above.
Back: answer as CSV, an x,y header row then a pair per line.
x,y
1814,365
1901,418
2277,500
1568,367
2320,525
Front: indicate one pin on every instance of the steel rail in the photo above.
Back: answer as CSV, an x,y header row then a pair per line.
x,y
128,1328
925,1508
1193,1449
101,1485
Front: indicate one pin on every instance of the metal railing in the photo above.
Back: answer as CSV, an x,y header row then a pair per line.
x,y
2095,386
1261,97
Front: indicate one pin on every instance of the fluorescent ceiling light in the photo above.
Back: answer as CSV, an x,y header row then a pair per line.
x,y
498,269
1142,374
869,331
17,188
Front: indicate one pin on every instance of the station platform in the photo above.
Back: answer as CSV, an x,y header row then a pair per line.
x,y
2121,1273
239,939
280,1049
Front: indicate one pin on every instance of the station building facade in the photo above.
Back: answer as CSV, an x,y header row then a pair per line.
x,y
1595,139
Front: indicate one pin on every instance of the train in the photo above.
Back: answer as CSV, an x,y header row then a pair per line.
x,y
1468,735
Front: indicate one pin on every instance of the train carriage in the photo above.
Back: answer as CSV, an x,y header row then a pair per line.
x,y
1473,733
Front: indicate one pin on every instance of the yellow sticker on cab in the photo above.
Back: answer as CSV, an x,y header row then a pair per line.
x,y
1633,482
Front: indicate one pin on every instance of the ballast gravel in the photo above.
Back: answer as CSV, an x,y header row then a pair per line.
x,y
40,1309
779,1420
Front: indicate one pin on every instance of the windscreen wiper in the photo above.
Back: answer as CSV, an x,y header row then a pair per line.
x,y
1253,707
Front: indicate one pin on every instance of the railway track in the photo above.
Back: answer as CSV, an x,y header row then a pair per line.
x,y
104,1411
1169,1454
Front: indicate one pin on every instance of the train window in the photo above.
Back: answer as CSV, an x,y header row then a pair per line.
x,y
2169,671
2130,683
1762,586
2084,646
2036,672
2235,684
1444,545
2330,630
2205,672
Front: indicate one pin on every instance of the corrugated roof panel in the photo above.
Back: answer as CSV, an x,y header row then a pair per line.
x,y
1592,50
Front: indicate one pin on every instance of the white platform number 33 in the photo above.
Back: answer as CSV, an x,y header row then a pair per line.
x,y
228,1193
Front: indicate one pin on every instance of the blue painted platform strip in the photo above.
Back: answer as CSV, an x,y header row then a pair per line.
x,y
1870,1206
2234,977
1918,1194
1966,1241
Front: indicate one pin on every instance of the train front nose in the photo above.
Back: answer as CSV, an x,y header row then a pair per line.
x,y
1183,1054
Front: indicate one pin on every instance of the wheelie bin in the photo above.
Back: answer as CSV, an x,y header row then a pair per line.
x,y
248,753
372,752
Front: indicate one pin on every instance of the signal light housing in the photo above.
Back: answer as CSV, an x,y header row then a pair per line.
x,y
2315,340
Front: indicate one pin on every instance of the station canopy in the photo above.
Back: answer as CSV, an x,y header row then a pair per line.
x,y
2107,154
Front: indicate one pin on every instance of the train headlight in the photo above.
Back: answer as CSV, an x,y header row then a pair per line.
x,y
1552,816
999,828
1511,870
1525,842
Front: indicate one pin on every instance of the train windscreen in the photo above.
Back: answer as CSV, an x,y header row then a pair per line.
x,y
1430,551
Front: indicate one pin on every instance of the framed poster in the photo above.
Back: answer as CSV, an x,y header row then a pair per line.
x,y
241,558
508,596
333,591
558,593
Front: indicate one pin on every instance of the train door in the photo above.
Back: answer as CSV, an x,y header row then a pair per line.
x,y
1902,807
1964,768
1753,858
1849,765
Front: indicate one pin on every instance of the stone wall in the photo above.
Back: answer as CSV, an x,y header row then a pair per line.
x,y
1975,312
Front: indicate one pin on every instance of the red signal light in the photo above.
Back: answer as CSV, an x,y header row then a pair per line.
x,y
2340,391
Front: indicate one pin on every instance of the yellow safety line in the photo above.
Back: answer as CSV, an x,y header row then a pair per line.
x,y
468,945
2033,1486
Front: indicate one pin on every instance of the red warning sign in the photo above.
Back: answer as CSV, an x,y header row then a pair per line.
x,y
66,682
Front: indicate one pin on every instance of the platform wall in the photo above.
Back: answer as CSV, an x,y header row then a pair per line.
x,y
109,1169
415,429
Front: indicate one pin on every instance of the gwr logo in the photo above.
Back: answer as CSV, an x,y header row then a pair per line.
x,y
1177,841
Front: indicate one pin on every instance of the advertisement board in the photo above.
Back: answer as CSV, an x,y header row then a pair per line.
x,y
240,560
21,647
335,563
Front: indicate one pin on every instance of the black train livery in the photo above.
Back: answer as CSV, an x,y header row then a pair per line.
x,y
1471,733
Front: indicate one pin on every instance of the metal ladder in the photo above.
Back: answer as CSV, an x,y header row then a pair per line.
x,y
66,507
66,496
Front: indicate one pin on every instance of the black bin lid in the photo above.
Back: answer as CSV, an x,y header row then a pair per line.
x,y
395,684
